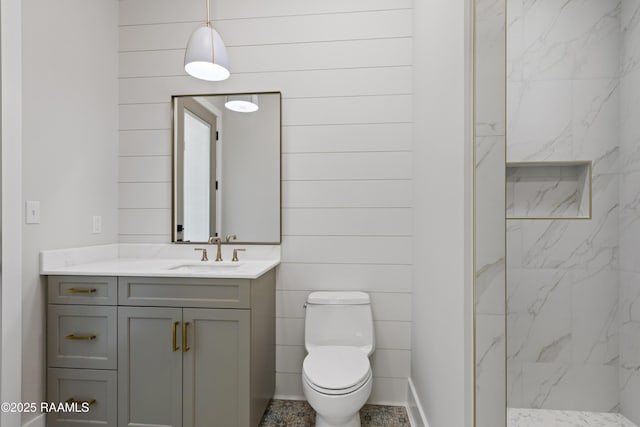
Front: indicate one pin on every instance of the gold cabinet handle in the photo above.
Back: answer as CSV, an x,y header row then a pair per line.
x,y
73,337
80,402
81,291
185,347
174,347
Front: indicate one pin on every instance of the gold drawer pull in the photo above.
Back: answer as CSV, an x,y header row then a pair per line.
x,y
80,337
174,347
185,347
80,402
81,291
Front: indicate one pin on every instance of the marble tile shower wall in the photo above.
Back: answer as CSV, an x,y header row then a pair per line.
x,y
346,142
489,213
562,275
630,212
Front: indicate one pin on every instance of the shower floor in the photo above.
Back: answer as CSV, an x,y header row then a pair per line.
x,y
518,417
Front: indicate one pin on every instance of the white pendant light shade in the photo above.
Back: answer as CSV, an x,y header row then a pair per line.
x,y
206,57
242,103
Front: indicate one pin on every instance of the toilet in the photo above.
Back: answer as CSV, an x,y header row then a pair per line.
x,y
336,374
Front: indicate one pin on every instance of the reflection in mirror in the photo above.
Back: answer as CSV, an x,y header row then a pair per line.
x,y
226,169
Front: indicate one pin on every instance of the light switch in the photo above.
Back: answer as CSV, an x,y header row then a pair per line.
x,y
32,212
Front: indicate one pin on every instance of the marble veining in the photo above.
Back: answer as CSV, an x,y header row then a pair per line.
x,y
490,366
546,191
557,45
539,324
631,33
629,392
595,317
628,122
489,257
490,288
520,417
573,78
629,379
577,244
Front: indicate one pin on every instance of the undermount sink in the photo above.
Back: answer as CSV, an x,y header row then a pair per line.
x,y
204,266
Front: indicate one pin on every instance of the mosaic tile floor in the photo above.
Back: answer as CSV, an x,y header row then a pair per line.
x,y
298,413
517,417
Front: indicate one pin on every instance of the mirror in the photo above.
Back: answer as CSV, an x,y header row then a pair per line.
x,y
226,167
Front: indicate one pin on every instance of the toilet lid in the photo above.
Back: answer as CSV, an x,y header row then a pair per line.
x,y
336,368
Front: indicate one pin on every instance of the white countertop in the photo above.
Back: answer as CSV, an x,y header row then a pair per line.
x,y
159,260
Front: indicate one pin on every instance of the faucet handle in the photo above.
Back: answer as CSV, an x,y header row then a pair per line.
x,y
204,253
235,254
230,237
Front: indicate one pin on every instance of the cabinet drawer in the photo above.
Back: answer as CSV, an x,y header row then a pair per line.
x,y
184,292
83,290
83,385
82,336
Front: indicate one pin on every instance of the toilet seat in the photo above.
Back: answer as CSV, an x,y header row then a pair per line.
x,y
336,370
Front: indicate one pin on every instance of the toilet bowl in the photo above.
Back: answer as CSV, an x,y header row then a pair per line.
x,y
337,382
336,373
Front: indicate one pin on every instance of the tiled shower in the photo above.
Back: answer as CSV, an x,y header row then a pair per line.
x,y
573,205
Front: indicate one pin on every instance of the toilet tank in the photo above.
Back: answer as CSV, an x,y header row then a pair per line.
x,y
339,318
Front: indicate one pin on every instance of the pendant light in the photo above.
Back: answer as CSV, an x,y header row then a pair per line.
x,y
242,103
206,56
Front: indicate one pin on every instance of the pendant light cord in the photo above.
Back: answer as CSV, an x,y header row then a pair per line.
x,y
208,15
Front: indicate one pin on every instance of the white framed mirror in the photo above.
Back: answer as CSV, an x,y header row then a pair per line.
x,y
227,167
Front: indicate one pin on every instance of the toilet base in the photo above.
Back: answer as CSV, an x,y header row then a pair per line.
x,y
342,422
338,410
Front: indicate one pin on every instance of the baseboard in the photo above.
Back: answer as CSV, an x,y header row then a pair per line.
x,y
417,418
288,397
39,421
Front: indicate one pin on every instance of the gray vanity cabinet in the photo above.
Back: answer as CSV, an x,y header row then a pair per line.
x,y
82,349
195,352
174,352
183,367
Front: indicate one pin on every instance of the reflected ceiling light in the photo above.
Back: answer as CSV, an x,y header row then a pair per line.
x,y
242,103
206,56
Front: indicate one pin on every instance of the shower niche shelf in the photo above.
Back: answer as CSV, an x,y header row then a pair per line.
x,y
549,190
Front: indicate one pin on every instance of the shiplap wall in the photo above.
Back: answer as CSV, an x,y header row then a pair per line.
x,y
344,70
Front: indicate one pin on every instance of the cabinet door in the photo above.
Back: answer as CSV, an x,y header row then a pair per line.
x,y
149,367
216,368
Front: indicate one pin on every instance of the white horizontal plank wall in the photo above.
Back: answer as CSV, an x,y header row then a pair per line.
x,y
344,70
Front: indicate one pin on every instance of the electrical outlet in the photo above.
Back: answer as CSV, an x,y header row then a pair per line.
x,y
32,212
97,224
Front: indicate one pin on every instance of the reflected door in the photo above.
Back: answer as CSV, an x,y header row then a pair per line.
x,y
196,168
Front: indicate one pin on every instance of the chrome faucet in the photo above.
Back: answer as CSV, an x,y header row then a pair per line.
x,y
217,241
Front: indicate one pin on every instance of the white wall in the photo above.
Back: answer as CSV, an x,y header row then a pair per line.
x,y
251,172
344,70
11,281
69,147
441,340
